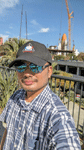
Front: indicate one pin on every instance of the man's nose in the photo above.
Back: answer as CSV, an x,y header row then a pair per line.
x,y
28,72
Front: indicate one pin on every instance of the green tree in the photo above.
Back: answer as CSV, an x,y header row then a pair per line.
x,y
11,48
71,57
80,57
8,84
59,57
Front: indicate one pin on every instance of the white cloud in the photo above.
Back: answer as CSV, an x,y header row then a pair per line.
x,y
44,30
7,4
32,33
11,27
7,32
5,37
34,22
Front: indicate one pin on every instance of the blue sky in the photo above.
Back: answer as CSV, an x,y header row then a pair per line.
x,y
46,19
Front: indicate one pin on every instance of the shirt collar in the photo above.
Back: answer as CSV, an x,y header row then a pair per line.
x,y
40,101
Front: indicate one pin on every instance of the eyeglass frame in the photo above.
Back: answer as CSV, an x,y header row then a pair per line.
x,y
43,67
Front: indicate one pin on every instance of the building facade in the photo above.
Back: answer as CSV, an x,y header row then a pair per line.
x,y
1,41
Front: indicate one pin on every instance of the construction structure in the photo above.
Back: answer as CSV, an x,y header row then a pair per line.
x,y
21,23
26,24
69,24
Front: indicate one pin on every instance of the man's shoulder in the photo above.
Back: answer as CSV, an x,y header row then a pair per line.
x,y
56,103
55,99
58,109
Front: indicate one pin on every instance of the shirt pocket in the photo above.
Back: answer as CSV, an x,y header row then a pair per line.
x,y
34,145
30,144
39,144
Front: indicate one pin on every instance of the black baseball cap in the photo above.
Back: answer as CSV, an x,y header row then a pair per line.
x,y
33,52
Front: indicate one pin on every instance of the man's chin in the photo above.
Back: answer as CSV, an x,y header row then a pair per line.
x,y
29,89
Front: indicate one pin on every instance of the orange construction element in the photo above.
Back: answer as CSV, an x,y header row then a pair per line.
x,y
64,37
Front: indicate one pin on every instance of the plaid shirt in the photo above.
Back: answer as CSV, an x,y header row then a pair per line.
x,y
44,124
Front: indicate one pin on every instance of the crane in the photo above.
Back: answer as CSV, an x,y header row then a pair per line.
x,y
21,22
26,23
69,24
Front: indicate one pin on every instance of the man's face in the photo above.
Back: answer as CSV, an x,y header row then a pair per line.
x,y
34,82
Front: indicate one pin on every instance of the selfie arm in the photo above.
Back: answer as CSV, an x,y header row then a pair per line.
x,y
3,139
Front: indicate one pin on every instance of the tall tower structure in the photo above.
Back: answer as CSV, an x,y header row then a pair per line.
x,y
21,22
69,24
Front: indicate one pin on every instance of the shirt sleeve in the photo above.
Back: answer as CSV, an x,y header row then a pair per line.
x,y
3,115
6,114
9,104
64,134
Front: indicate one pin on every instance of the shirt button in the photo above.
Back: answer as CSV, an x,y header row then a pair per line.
x,y
15,145
23,111
19,128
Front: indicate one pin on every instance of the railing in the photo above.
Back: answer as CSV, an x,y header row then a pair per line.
x,y
75,106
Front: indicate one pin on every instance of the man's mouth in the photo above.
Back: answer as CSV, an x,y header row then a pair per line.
x,y
28,82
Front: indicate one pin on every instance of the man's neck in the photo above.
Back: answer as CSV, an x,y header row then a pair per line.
x,y
30,95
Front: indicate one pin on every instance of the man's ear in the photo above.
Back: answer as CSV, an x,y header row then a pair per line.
x,y
50,70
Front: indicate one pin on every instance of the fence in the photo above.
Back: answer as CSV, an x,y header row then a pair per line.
x,y
75,106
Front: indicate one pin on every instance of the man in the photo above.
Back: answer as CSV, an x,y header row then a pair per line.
x,y
36,118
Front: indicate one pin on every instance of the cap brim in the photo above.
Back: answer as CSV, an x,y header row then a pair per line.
x,y
33,59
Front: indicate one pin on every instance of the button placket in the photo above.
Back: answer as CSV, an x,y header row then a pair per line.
x,y
19,128
15,145
23,111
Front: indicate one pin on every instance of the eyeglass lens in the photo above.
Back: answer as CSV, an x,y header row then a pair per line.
x,y
34,68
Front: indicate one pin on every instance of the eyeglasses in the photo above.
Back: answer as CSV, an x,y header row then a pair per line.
x,y
34,68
